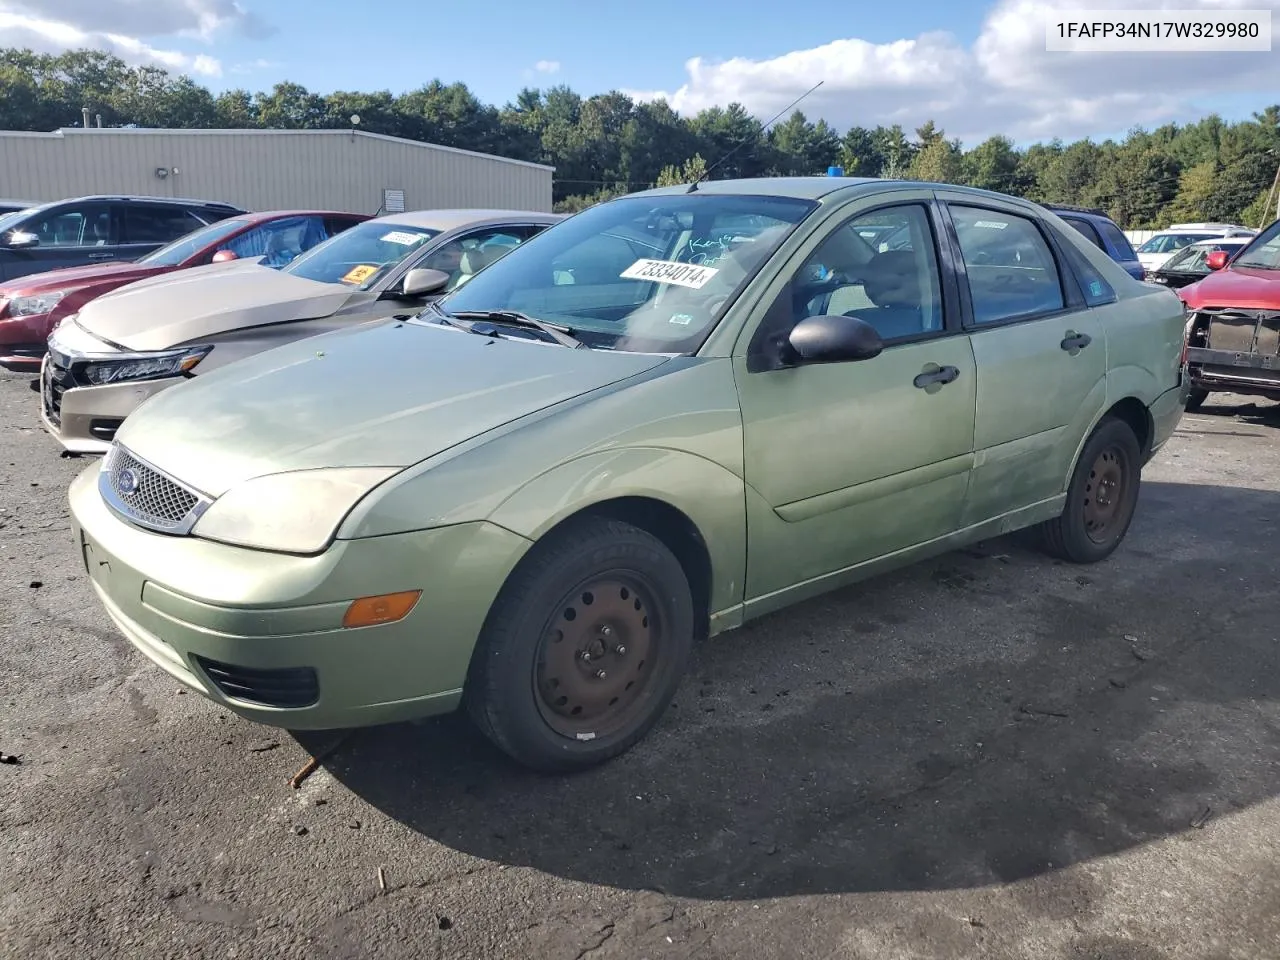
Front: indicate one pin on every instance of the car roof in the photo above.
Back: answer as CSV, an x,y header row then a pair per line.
x,y
258,215
126,198
1214,241
444,220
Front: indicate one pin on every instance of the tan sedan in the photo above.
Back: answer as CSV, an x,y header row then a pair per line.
x,y
128,345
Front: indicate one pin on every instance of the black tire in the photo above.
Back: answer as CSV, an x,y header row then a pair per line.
x,y
1079,534
644,600
1196,399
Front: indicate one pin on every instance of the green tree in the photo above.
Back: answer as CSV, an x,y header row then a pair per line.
x,y
691,171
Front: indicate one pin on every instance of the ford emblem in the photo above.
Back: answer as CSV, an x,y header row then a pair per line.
x,y
127,480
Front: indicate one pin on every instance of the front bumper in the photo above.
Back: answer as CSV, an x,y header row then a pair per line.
x,y
1228,371
84,419
251,630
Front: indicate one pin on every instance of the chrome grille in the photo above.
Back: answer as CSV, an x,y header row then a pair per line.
x,y
146,495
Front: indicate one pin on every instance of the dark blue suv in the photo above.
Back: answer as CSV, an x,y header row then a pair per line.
x,y
1096,227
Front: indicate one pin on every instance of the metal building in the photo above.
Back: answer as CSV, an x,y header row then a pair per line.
x,y
267,169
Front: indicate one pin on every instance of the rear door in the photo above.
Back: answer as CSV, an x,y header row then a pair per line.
x,y
1040,349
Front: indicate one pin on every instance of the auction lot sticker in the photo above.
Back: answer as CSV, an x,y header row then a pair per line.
x,y
668,271
360,274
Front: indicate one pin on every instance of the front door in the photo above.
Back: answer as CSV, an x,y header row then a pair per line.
x,y
847,462
1041,350
68,236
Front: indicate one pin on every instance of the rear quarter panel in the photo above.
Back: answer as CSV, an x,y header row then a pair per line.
x,y
1144,344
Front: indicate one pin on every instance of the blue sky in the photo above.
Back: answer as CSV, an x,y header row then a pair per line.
x,y
976,67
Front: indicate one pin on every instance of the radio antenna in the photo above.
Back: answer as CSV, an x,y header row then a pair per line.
x,y
706,173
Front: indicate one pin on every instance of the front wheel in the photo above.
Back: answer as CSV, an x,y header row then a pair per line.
x,y
584,647
1101,498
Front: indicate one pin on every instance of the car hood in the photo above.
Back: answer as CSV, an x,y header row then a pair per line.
x,y
389,393
70,278
1245,287
176,308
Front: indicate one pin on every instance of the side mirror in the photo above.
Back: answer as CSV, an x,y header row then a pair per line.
x,y
834,339
1216,260
222,256
21,240
421,281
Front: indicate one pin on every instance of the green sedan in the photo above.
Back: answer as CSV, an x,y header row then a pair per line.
x,y
654,422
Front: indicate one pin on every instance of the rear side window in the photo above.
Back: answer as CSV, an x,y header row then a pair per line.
x,y
1095,288
157,224
1010,268
1118,240
1086,230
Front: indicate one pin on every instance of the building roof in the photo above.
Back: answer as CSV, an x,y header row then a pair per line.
x,y
182,132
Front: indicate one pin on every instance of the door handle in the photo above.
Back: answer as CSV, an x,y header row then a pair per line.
x,y
938,375
101,256
1074,342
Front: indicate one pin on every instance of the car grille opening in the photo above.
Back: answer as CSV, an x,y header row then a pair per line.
x,y
147,496
57,381
287,687
105,429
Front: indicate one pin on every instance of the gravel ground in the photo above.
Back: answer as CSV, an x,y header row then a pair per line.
x,y
988,755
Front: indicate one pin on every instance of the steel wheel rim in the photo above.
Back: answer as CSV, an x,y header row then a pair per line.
x,y
1106,493
597,656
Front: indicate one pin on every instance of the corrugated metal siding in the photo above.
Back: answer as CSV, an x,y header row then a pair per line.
x,y
265,170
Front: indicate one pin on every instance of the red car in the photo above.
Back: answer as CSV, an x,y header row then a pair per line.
x,y
1233,327
31,306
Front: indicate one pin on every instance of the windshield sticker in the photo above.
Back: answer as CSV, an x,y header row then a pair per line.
x,y
667,271
990,224
360,274
681,318
401,237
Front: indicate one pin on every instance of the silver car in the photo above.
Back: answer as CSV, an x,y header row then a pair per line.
x,y
140,339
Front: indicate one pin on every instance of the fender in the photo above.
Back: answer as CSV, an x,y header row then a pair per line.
x,y
712,497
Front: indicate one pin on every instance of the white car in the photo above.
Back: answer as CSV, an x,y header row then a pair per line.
x,y
1164,244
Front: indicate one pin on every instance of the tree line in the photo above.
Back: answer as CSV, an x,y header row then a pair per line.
x,y
607,144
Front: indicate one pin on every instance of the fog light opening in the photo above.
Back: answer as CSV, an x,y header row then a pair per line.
x,y
386,608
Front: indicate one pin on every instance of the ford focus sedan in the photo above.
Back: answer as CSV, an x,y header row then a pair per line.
x,y
147,336
656,421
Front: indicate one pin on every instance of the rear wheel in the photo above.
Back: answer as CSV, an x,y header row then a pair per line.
x,y
1101,498
1196,399
584,647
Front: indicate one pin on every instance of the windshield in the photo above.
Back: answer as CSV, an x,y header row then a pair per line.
x,y
172,254
1192,259
644,273
361,255
1264,252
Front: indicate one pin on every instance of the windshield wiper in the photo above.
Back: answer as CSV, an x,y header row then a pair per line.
x,y
560,334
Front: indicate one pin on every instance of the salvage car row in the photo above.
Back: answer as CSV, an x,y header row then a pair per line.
x,y
527,481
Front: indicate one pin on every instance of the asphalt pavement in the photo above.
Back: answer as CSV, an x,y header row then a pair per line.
x,y
990,755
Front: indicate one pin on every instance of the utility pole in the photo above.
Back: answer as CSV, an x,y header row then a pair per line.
x,y
1272,194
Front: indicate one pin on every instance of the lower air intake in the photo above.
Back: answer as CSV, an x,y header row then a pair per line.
x,y
289,687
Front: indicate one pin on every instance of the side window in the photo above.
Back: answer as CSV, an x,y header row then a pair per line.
x,y
1086,230
1096,290
1009,265
892,282
466,256
75,227
157,224
335,225
278,242
1118,240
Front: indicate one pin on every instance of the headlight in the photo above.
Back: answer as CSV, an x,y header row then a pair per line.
x,y
36,304
145,368
296,512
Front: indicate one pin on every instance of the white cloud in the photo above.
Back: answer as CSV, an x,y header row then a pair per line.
x,y
1005,82
253,66
134,30
547,66
46,36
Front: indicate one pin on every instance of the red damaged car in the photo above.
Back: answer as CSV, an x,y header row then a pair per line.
x,y
1233,325
31,306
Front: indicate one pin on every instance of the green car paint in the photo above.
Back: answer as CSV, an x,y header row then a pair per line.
x,y
779,484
